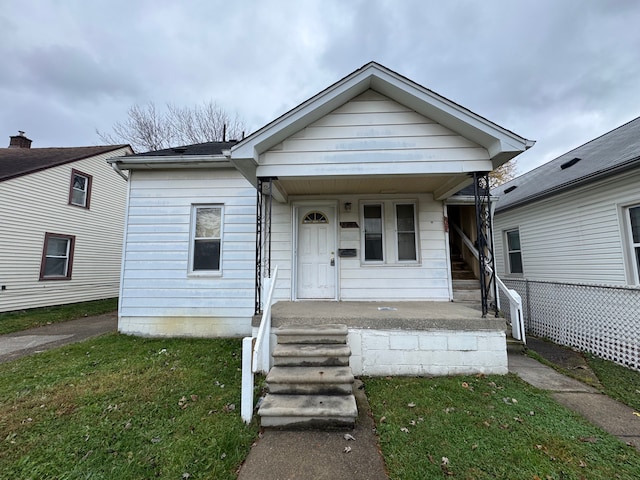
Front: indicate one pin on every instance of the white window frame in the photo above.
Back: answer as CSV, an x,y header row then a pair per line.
x,y
363,232
633,247
87,189
193,238
415,231
67,257
508,252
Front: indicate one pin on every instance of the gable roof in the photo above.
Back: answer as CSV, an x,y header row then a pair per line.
x,y
609,154
502,144
15,162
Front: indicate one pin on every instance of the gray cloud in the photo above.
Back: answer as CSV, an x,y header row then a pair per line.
x,y
557,72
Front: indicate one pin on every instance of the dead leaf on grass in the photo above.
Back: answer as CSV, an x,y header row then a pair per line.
x,y
347,450
348,436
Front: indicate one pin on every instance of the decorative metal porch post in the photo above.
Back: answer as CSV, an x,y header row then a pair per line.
x,y
264,202
482,193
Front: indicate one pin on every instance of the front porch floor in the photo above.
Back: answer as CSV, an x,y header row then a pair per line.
x,y
384,315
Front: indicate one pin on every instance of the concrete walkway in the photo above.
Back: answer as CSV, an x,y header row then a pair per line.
x,y
35,340
604,412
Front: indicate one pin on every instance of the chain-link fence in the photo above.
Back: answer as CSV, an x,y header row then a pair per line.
x,y
599,319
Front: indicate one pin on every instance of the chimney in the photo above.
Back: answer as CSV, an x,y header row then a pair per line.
x,y
19,141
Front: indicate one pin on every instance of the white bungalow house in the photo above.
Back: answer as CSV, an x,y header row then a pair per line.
x,y
349,195
567,238
62,221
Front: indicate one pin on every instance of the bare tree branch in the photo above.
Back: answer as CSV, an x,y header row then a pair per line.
x,y
147,129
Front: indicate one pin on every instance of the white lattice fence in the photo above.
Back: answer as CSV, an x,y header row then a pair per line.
x,y
599,319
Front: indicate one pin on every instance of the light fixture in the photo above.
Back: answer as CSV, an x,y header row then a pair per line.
x,y
347,206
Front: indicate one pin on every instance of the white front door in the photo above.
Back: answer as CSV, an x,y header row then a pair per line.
x,y
316,269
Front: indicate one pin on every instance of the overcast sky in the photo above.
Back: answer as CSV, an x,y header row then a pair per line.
x,y
560,72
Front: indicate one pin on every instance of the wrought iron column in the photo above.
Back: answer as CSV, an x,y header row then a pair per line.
x,y
264,203
482,193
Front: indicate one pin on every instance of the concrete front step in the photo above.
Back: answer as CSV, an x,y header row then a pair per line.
x,y
467,295
319,334
311,380
308,411
310,355
468,284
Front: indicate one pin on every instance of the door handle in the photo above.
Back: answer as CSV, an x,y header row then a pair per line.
x,y
333,260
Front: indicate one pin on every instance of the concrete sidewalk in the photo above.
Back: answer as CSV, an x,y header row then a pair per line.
x,y
35,340
600,410
306,454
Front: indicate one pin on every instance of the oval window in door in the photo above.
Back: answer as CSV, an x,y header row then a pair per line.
x,y
315,217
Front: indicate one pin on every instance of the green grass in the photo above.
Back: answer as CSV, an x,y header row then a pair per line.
x,y
37,317
124,407
617,381
489,427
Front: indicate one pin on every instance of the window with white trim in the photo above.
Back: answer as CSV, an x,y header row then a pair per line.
x,y
633,217
514,251
389,232
57,257
373,233
206,239
406,232
80,189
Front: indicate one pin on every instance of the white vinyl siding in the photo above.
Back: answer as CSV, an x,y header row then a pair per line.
x,y
576,236
426,279
376,135
37,203
158,295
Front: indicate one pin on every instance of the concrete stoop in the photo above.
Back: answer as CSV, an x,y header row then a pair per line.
x,y
311,383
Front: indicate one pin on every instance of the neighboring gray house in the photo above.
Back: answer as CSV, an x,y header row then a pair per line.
x,y
62,223
567,238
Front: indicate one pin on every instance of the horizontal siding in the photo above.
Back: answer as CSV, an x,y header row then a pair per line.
x,y
38,203
572,237
155,278
374,130
426,280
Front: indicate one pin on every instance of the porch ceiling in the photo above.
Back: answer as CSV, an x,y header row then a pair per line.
x,y
362,185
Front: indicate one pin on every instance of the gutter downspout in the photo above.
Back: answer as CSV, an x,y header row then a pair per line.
x,y
119,172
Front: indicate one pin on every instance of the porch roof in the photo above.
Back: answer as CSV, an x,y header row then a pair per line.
x,y
500,143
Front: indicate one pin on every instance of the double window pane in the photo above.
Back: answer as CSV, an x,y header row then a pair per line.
x,y
79,186
207,239
515,254
634,219
56,257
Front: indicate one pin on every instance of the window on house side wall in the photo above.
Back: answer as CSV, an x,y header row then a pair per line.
x,y
514,251
80,189
57,257
206,240
406,232
373,242
634,229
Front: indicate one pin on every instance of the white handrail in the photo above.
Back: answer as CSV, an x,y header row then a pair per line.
x,y
261,349
256,354
515,301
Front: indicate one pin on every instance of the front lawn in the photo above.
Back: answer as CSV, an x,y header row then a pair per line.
x,y
124,407
486,428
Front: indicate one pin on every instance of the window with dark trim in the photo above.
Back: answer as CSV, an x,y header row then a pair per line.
x,y
206,242
514,251
373,245
80,189
57,257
